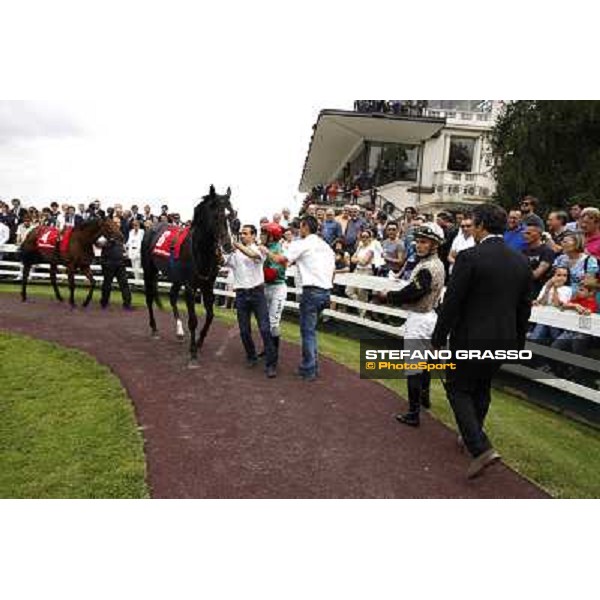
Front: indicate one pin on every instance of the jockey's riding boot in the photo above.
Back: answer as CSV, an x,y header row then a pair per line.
x,y
411,418
425,390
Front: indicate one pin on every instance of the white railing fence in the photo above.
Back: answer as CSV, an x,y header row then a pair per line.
x,y
368,312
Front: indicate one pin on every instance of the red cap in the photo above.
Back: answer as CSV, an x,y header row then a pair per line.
x,y
274,230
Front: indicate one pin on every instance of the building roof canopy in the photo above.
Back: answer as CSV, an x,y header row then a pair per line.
x,y
339,134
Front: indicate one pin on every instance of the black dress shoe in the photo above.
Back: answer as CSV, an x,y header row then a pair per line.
x,y
411,419
271,372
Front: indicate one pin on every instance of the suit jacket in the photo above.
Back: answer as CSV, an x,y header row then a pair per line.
x,y
488,299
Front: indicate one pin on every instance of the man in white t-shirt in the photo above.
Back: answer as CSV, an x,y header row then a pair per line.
x,y
246,265
463,240
316,265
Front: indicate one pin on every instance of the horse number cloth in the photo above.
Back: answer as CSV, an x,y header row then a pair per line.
x,y
165,242
171,239
47,239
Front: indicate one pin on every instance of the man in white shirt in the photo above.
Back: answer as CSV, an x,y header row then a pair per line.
x,y
463,240
246,265
285,218
316,265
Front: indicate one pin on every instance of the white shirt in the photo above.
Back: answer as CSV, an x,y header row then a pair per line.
x,y
134,243
378,260
315,261
564,294
247,272
4,234
461,243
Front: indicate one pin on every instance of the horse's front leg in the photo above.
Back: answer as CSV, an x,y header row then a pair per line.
x,y
174,297
53,281
87,271
209,303
190,301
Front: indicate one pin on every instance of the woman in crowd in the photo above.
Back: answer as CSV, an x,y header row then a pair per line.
x,y
342,265
134,248
363,261
579,263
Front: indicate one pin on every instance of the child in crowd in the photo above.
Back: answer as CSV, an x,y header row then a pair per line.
x,y
584,301
556,292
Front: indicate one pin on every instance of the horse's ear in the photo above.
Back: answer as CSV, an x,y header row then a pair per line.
x,y
229,192
212,192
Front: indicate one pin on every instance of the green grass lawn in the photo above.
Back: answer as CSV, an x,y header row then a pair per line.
x,y
67,428
557,453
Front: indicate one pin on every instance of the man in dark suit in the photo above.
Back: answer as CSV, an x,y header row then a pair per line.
x,y
486,307
113,265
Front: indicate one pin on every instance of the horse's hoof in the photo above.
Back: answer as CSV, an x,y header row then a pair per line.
x,y
155,336
193,364
181,338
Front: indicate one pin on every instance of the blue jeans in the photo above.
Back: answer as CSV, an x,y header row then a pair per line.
x,y
313,302
250,302
544,334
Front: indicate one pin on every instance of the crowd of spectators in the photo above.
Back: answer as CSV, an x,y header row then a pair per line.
x,y
409,108
350,191
16,221
563,249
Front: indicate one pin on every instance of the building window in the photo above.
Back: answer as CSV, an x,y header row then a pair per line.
x,y
394,162
461,154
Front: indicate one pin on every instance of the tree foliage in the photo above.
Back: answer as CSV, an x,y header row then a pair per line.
x,y
549,149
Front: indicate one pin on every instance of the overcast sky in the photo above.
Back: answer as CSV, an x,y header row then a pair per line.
x,y
140,150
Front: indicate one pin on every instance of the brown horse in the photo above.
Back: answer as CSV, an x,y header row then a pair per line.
x,y
76,253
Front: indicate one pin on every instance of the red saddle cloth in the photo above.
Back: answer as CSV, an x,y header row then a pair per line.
x,y
183,234
65,238
165,242
47,239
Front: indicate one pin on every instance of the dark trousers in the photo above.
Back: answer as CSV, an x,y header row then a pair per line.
x,y
110,272
470,400
249,302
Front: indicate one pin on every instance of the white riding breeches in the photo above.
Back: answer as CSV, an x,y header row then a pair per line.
x,y
417,334
276,296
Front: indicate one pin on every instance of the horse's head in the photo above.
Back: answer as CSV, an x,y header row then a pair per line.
x,y
212,219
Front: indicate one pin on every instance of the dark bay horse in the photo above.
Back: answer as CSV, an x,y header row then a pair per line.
x,y
196,269
75,252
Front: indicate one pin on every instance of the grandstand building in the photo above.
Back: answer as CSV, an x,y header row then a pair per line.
x,y
430,154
